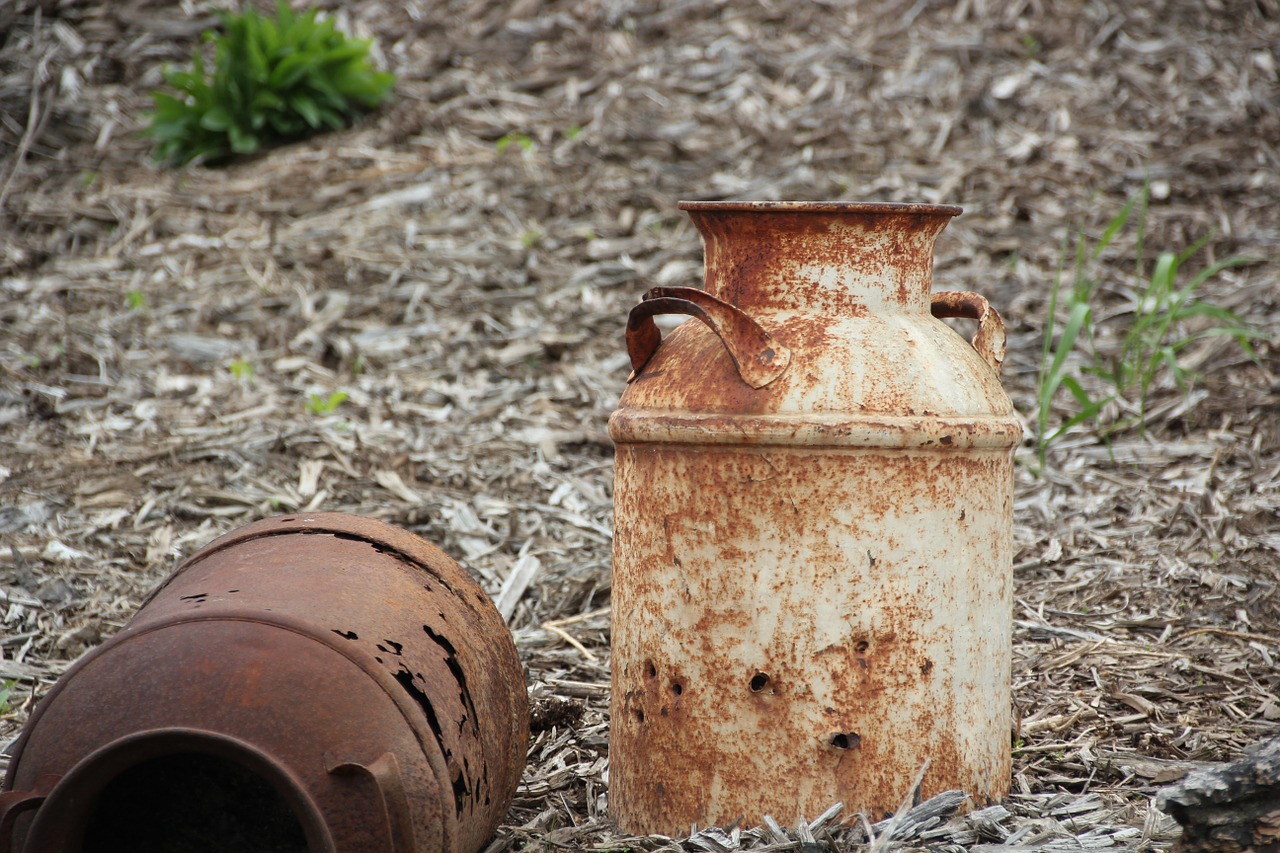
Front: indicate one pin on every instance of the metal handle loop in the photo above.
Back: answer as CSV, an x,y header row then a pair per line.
x,y
990,339
15,803
384,772
758,357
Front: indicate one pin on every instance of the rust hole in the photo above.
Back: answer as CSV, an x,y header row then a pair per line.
x,y
759,682
677,688
845,740
861,647
650,671
347,635
639,715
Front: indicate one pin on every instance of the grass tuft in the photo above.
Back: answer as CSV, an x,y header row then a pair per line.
x,y
1163,316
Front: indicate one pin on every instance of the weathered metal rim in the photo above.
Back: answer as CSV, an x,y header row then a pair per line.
x,y
824,207
815,429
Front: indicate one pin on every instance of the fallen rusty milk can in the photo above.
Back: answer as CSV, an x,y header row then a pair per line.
x,y
316,682
813,527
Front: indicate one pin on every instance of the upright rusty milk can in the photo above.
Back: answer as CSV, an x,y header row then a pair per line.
x,y
813,527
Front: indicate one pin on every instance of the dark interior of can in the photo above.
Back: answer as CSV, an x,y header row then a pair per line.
x,y
191,803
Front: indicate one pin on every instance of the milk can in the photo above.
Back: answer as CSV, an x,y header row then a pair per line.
x,y
316,682
813,527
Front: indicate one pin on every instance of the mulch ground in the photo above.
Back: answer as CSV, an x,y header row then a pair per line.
x,y
460,264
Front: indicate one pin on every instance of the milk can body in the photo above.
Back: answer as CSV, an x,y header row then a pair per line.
x,y
813,527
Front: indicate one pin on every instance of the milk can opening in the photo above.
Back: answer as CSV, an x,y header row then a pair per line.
x,y
192,803
177,792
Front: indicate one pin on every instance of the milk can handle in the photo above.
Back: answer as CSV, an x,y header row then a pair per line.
x,y
759,358
15,803
384,772
990,338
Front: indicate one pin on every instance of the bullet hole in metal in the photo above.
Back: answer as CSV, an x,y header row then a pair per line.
x,y
759,682
346,635
650,671
845,740
677,688
861,647
191,802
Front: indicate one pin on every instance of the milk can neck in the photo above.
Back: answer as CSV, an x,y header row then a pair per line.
x,y
837,258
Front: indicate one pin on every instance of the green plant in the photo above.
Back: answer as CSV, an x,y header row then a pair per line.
x,y
241,369
273,79
6,690
1055,370
531,238
1155,327
135,300
505,141
1157,334
320,404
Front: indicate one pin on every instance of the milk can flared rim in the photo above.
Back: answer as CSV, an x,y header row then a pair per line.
x,y
823,207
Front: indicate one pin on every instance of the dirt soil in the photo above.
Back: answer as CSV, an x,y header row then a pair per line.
x,y
460,265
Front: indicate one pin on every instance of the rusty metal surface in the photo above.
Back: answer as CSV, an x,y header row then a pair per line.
x,y
351,665
812,579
